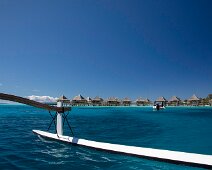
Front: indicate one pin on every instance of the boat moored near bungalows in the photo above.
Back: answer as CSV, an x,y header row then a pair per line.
x,y
160,103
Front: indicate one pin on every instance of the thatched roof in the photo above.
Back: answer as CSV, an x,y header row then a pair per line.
x,y
112,99
140,100
193,98
143,100
62,98
161,99
89,99
79,98
147,100
98,99
174,99
126,99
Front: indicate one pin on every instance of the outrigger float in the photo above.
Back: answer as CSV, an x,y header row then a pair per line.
x,y
190,159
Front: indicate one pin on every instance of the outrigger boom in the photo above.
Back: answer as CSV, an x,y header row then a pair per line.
x,y
192,159
26,101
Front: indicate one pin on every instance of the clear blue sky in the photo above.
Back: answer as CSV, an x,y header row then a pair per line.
x,y
146,48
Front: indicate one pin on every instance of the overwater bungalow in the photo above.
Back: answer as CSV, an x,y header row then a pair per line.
x,y
126,101
79,101
174,101
97,101
210,102
139,101
161,100
64,100
147,102
204,102
112,101
89,101
193,100
142,102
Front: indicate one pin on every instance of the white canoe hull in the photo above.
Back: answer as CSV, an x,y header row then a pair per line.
x,y
192,159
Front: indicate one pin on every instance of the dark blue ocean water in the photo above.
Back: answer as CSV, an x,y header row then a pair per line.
x,y
179,129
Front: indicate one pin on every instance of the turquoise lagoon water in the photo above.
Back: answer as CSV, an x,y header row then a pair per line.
x,y
175,128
